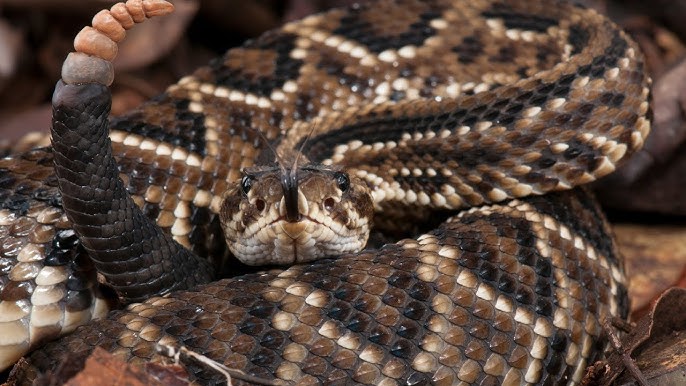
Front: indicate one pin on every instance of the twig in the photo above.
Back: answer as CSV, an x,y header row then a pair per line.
x,y
181,353
628,361
622,324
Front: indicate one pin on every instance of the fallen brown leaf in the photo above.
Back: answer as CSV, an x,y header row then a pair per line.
x,y
103,369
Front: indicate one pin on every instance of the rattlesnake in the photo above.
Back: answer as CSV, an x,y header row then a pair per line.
x,y
478,106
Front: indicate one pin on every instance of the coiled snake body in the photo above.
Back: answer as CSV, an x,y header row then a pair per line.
x,y
474,107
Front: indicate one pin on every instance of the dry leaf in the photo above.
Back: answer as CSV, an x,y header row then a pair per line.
x,y
103,369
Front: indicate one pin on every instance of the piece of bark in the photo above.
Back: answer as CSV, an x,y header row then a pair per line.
x,y
663,363
659,344
665,322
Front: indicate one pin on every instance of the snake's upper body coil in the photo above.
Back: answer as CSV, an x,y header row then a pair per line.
x,y
490,109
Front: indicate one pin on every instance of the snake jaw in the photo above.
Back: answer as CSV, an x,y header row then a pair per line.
x,y
333,216
292,229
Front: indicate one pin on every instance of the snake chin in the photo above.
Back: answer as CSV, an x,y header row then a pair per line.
x,y
334,212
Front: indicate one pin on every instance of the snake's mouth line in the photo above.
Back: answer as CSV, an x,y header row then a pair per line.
x,y
302,221
283,218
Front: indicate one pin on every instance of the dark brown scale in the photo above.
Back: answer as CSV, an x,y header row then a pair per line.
x,y
544,286
420,291
475,350
460,316
489,380
315,366
415,310
456,337
387,316
479,330
519,357
17,290
394,297
346,292
380,335
344,359
469,261
507,284
367,303
500,343
470,49
10,246
275,340
523,335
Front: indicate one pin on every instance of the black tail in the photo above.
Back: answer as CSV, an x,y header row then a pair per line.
x,y
136,257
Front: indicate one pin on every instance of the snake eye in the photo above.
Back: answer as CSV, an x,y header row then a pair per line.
x,y
342,180
246,183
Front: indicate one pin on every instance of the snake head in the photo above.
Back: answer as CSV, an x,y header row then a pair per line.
x,y
274,215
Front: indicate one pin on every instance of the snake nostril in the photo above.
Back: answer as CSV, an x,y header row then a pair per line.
x,y
329,203
259,205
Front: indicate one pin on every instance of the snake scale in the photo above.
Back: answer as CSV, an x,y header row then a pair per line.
x,y
482,114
